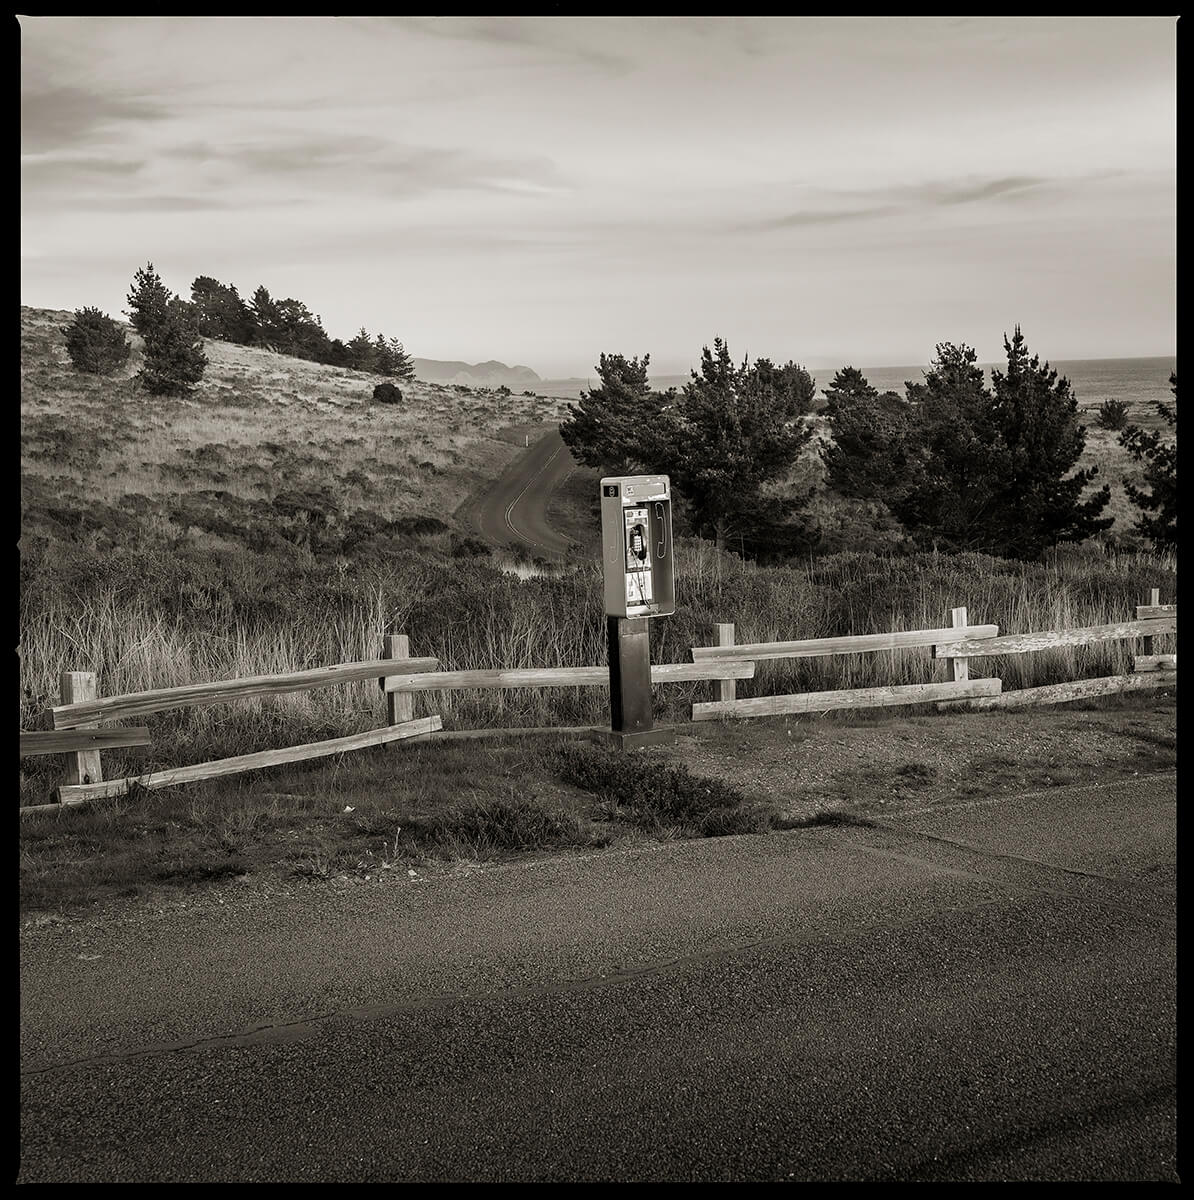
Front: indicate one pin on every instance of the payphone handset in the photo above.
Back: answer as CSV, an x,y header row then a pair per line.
x,y
636,535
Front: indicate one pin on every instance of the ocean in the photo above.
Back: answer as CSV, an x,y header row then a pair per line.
x,y
1136,381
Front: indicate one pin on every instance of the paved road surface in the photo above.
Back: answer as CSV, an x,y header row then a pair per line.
x,y
981,993
514,509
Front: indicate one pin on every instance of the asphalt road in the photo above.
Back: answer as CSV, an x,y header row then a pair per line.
x,y
980,993
514,508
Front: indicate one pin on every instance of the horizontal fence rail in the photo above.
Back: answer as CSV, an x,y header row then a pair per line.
x,y
82,792
67,741
1154,662
559,677
136,704
1022,643
877,697
1059,693
1146,611
858,644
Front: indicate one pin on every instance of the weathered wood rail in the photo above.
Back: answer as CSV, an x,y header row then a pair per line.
x,y
954,645
1022,643
139,704
400,676
560,677
80,793
65,741
857,644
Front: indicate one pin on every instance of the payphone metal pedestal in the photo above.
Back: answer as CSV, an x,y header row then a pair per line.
x,y
630,685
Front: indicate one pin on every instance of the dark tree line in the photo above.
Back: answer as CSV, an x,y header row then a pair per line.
x,y
960,466
173,330
964,467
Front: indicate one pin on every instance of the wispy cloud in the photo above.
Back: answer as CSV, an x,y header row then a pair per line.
x,y
75,169
577,40
62,117
893,200
376,162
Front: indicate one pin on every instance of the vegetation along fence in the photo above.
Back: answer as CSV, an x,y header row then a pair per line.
x,y
77,733
955,645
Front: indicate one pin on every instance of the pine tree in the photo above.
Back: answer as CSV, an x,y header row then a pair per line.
x,y
95,342
221,313
174,358
732,432
868,456
1038,499
268,331
950,455
611,426
404,368
383,356
1158,504
148,300
360,351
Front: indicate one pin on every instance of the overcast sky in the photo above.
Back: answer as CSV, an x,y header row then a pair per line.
x,y
540,190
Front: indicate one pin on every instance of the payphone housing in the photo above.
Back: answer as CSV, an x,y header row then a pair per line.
x,y
640,583
636,546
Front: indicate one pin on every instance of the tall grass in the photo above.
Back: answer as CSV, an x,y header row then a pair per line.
x,y
473,616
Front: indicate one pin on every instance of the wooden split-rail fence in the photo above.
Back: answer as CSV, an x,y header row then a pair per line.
x,y
78,735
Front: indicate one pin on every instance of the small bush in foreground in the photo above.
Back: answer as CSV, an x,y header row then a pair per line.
x,y
95,342
662,799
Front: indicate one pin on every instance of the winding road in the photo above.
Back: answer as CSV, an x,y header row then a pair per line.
x,y
514,508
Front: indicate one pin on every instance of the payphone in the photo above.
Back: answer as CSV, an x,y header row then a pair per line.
x,y
640,583
636,542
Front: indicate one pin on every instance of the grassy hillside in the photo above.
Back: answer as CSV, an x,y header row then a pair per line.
x,y
263,438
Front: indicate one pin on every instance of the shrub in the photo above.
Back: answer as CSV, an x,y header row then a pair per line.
x,y
387,393
485,828
468,547
662,799
95,342
1113,414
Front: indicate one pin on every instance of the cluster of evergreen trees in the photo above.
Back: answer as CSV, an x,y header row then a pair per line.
x,y
289,327
173,330
960,466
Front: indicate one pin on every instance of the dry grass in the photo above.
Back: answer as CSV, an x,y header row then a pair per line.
x,y
139,586
260,423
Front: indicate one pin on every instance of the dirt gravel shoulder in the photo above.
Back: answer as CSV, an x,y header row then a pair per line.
x,y
877,763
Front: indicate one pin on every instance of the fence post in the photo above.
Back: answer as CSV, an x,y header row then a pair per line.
x,y
84,765
1146,643
959,668
400,706
723,635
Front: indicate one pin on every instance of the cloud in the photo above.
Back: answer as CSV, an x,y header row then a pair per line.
x,y
825,216
61,116
576,39
359,162
140,202
896,199
946,194
75,170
